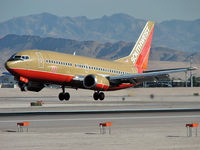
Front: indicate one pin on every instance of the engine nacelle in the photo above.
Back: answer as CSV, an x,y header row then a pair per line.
x,y
96,82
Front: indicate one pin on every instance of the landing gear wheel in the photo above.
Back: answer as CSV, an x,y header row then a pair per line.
x,y
66,96
101,96
96,96
23,88
61,96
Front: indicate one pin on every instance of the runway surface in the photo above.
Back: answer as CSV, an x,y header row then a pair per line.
x,y
80,120
138,131
130,130
13,100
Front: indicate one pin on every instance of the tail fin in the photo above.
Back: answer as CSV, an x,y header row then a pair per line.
x,y
140,53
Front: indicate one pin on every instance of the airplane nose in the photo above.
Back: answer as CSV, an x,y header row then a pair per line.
x,y
8,65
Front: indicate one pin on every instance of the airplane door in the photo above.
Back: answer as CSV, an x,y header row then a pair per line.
x,y
40,60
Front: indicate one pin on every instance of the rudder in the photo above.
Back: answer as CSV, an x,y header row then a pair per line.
x,y
140,52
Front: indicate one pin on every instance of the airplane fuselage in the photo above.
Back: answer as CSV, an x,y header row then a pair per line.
x,y
58,68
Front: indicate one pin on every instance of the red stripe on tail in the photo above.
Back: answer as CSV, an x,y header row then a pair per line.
x,y
142,61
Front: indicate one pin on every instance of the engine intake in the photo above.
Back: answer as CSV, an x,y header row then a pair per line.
x,y
96,82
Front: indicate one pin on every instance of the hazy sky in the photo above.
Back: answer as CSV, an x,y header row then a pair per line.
x,y
157,10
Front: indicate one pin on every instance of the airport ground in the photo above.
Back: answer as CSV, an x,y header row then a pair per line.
x,y
131,130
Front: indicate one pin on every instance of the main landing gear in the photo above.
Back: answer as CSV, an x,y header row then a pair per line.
x,y
64,96
98,95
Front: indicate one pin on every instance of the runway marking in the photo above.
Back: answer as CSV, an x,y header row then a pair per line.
x,y
108,118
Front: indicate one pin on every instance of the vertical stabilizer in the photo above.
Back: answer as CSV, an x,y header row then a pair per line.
x,y
140,53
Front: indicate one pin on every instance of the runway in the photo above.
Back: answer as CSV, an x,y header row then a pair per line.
x,y
133,118
138,130
132,128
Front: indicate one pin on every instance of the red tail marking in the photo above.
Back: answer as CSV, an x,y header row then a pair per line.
x,y
145,63
142,61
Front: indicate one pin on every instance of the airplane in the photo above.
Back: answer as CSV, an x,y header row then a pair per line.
x,y
34,69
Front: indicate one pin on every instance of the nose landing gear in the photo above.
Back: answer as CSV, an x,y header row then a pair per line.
x,y
98,95
22,86
64,96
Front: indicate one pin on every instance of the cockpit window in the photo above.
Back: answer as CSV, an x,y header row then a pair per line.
x,y
18,57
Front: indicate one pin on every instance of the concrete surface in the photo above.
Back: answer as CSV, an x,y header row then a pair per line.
x,y
129,131
13,100
139,131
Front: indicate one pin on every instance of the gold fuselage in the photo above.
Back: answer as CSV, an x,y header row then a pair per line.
x,y
46,66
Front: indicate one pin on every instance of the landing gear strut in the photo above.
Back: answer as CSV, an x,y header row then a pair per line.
x,y
64,96
22,86
99,96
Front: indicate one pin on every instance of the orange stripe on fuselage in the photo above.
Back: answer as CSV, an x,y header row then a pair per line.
x,y
43,76
48,77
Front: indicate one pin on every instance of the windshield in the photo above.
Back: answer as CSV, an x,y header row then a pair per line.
x,y
18,57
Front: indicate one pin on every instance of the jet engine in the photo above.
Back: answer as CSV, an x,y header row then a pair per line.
x,y
96,82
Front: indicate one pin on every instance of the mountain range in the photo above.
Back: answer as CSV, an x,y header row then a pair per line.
x,y
175,34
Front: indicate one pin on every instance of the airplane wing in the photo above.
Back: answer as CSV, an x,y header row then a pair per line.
x,y
147,75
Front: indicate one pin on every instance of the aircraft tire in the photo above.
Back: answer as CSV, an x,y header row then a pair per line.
x,y
24,88
101,96
61,96
96,96
66,96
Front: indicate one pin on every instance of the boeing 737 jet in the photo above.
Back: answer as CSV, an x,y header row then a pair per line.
x,y
36,68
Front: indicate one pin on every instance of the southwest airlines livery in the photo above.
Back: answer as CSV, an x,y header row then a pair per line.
x,y
34,69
